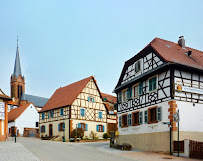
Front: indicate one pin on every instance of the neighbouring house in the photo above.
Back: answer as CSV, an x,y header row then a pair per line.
x,y
161,79
18,88
3,115
24,121
78,105
110,102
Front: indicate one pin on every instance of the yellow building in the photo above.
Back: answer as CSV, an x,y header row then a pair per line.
x,y
78,105
3,115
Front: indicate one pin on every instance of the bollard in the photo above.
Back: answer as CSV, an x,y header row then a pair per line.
x,y
15,138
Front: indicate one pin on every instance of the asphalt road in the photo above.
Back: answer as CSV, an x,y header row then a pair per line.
x,y
59,151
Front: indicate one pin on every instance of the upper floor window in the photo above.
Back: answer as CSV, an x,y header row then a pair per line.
x,y
140,88
42,115
119,97
100,115
82,112
125,95
137,66
52,113
61,111
48,113
152,83
135,88
90,99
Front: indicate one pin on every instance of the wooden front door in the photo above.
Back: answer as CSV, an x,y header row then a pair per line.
x,y
50,130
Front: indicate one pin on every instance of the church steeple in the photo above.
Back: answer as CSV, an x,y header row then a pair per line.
x,y
17,80
17,67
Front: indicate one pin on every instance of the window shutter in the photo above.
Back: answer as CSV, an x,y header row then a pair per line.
x,y
41,129
103,128
92,99
79,125
48,115
119,97
129,93
44,129
139,65
129,119
52,113
140,117
58,127
97,127
140,88
120,121
159,113
88,98
63,126
146,116
86,127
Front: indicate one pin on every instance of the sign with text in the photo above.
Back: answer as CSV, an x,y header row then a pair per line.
x,y
181,88
2,110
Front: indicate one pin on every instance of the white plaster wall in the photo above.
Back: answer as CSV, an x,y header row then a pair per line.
x,y
27,119
191,118
147,128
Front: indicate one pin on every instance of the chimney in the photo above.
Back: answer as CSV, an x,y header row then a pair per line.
x,y
181,41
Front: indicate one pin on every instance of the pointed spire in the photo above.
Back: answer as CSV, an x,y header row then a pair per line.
x,y
23,97
17,68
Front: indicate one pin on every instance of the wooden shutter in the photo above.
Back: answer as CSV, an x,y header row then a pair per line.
x,y
146,116
79,125
97,127
140,88
129,119
86,127
44,128
92,99
40,129
120,121
141,117
59,127
63,126
88,98
119,96
159,113
138,66
103,128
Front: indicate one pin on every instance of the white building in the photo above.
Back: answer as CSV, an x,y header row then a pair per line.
x,y
154,84
24,121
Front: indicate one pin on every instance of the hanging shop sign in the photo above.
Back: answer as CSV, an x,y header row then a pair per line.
x,y
2,110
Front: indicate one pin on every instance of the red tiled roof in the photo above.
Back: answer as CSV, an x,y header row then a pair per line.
x,y
109,98
173,52
15,113
66,95
4,96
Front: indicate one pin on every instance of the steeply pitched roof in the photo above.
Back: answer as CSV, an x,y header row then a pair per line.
x,y
66,95
174,53
2,95
109,98
15,113
17,67
37,101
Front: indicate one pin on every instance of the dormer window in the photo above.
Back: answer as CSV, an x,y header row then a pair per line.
x,y
137,66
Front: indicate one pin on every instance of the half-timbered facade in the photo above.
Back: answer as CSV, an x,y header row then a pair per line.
x,y
162,78
78,105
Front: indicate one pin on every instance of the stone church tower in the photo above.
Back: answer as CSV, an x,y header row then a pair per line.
x,y
17,80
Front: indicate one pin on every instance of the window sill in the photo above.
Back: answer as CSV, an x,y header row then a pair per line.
x,y
136,125
152,91
152,122
124,126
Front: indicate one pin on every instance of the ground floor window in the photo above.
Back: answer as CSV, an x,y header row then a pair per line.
x,y
100,128
42,129
61,126
124,120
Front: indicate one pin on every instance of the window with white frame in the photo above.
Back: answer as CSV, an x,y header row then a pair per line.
x,y
152,83
137,66
135,89
125,95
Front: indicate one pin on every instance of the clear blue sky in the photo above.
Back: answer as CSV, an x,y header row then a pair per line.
x,y
61,42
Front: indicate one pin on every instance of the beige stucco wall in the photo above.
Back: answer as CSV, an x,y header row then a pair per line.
x,y
91,127
195,136
159,141
55,129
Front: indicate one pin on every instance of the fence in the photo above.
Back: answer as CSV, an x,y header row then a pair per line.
x,y
196,149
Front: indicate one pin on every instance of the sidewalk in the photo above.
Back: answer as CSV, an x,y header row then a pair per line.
x,y
11,151
144,155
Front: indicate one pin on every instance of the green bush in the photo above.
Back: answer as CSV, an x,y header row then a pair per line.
x,y
105,136
80,133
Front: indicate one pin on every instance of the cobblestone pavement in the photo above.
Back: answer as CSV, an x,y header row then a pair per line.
x,y
11,151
